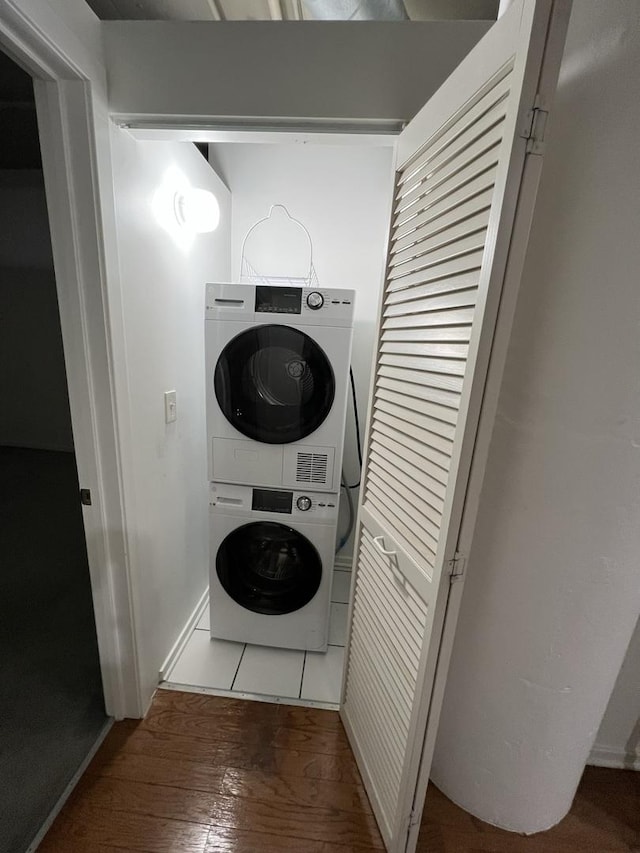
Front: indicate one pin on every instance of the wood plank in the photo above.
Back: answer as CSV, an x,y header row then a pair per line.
x,y
313,823
328,743
192,775
161,801
73,845
212,730
290,716
309,719
223,839
217,706
289,791
247,755
91,825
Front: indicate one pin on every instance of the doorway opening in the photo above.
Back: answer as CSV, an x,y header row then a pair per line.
x,y
52,705
340,190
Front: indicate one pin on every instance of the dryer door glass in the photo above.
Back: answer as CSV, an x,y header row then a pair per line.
x,y
274,384
269,568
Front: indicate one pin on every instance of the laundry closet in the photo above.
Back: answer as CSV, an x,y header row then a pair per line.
x,y
279,388
315,239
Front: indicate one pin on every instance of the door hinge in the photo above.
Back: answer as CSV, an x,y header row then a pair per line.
x,y
535,125
456,567
85,497
411,820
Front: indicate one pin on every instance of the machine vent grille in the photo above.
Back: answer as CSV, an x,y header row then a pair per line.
x,y
312,468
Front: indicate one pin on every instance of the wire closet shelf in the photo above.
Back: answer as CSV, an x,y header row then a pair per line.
x,y
278,235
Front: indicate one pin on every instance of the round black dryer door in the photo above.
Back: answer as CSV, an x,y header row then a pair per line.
x,y
274,384
269,568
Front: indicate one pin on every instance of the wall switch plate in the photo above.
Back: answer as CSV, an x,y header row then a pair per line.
x,y
170,407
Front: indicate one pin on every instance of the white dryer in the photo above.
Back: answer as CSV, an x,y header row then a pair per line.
x,y
272,554
277,369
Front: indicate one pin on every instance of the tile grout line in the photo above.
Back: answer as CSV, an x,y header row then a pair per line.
x,y
244,648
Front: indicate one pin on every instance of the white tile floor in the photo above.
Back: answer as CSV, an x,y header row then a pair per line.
x,y
312,678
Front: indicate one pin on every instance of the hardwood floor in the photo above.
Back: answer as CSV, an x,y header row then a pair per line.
x,y
605,817
204,774
208,775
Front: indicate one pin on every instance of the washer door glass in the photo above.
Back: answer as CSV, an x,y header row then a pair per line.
x,y
274,384
269,568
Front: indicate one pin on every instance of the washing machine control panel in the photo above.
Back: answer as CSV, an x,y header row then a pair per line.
x,y
271,500
311,506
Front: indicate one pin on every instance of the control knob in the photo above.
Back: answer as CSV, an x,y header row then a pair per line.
x,y
303,503
315,300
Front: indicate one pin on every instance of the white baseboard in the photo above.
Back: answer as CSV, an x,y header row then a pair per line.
x,y
602,756
184,635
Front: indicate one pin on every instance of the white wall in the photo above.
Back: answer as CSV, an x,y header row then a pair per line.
x,y
34,408
553,589
618,739
337,70
343,196
162,292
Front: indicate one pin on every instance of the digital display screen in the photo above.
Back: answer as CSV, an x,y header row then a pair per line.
x,y
279,300
268,500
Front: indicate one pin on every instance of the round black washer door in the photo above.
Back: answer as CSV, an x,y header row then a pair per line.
x,y
269,568
274,384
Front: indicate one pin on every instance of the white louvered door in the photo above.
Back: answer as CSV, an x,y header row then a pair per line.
x,y
459,206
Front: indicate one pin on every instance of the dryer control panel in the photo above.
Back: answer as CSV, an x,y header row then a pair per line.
x,y
310,506
266,303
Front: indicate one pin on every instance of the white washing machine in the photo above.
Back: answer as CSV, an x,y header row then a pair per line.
x,y
277,368
272,553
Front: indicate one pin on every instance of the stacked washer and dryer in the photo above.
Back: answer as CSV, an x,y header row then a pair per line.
x,y
277,369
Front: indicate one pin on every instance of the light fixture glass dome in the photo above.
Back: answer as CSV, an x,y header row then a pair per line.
x,y
197,210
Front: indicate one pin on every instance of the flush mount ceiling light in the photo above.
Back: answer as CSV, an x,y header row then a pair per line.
x,y
197,210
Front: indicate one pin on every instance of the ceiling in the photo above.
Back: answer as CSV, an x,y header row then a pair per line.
x,y
294,10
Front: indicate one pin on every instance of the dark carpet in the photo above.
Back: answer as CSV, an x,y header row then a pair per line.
x,y
51,702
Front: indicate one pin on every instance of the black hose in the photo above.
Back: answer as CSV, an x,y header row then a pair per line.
x,y
355,414
352,516
357,422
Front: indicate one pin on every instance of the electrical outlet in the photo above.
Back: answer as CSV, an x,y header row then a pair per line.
x,y
170,407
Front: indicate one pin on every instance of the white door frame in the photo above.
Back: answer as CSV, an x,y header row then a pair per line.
x,y
66,119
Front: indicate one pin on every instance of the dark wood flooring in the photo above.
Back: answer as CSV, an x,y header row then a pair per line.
x,y
605,817
203,774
